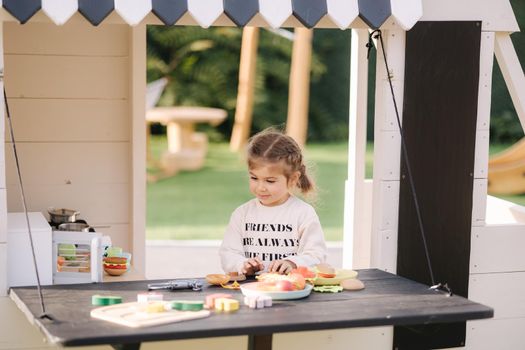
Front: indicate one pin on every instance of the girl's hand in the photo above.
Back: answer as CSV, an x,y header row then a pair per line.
x,y
251,266
281,266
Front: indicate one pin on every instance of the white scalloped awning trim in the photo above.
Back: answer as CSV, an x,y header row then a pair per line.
x,y
205,12
406,12
343,12
275,12
59,11
133,11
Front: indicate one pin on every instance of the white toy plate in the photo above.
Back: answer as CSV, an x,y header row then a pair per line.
x,y
250,289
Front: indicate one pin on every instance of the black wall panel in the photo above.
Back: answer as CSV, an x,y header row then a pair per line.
x,y
439,121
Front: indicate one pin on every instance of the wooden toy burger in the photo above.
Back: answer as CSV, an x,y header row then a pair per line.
x,y
115,265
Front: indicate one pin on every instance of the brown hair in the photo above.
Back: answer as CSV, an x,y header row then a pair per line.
x,y
271,145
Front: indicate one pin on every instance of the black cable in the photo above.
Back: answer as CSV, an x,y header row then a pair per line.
x,y
377,33
39,287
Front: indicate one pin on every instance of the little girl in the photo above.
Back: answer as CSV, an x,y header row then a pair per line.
x,y
275,231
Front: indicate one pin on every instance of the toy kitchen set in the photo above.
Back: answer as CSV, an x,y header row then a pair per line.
x,y
67,249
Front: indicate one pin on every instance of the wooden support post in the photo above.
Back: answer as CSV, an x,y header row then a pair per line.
x,y
298,96
137,234
244,109
356,240
3,191
511,68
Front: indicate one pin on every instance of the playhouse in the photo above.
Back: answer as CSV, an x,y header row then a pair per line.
x,y
74,72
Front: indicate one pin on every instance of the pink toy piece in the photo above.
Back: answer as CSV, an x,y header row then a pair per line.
x,y
210,299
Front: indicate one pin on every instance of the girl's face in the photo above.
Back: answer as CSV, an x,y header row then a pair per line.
x,y
269,183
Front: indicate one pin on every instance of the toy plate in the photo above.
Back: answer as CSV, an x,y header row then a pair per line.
x,y
339,276
250,290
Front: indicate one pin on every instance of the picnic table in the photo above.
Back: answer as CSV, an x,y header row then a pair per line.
x,y
186,148
386,300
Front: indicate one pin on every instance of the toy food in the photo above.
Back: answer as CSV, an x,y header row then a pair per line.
x,y
235,276
210,299
305,271
271,281
352,284
115,266
325,271
217,279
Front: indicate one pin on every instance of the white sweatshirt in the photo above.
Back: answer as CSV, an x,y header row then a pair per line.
x,y
289,231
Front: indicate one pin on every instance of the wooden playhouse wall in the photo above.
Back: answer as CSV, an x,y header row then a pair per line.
x,y
70,92
482,260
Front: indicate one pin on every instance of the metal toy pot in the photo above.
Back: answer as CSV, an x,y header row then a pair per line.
x,y
58,216
74,226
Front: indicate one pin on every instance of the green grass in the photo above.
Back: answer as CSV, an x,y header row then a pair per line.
x,y
198,205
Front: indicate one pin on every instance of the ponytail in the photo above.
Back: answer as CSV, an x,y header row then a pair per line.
x,y
305,183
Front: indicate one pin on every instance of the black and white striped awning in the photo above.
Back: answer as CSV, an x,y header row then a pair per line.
x,y
273,13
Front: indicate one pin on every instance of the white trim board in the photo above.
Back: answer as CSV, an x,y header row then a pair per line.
x,y
506,334
505,292
354,190
496,15
497,248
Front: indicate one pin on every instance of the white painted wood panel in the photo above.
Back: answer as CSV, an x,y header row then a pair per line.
x,y
361,258
18,334
389,205
394,41
505,292
3,270
506,334
497,248
37,76
503,212
481,154
496,15
120,235
70,164
388,157
486,63
479,202
108,203
71,39
3,192
2,150
377,338
388,162
2,117
3,215
389,120
60,120
385,213
388,260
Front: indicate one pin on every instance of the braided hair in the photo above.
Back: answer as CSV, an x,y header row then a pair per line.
x,y
271,145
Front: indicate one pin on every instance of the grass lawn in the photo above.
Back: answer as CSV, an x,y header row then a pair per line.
x,y
198,205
